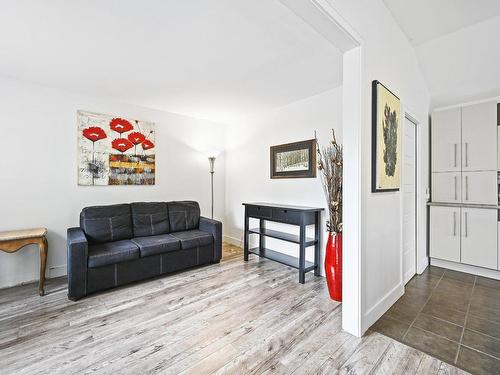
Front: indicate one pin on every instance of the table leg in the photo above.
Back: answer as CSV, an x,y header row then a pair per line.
x,y
302,255
262,238
245,237
317,237
43,264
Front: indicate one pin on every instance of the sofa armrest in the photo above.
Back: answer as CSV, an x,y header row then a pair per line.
x,y
215,228
77,263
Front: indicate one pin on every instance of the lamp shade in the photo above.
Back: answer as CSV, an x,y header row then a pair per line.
x,y
211,164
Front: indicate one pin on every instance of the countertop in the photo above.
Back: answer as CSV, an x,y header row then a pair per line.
x,y
470,205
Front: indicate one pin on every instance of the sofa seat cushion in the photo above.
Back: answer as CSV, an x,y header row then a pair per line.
x,y
153,245
107,253
193,238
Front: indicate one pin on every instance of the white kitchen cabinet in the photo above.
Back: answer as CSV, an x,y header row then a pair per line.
x,y
464,165
445,233
498,143
479,237
446,140
498,246
447,187
479,187
479,137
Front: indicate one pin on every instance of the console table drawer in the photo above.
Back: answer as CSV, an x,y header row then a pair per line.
x,y
286,216
257,211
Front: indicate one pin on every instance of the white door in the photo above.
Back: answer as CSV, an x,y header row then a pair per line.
x,y
480,187
479,137
479,237
447,187
445,233
446,138
409,200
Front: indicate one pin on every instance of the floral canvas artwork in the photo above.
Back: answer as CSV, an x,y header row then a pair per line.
x,y
386,139
115,150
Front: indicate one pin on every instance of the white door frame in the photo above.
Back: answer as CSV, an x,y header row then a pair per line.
x,y
410,117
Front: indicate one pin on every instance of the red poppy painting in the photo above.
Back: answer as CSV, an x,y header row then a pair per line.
x,y
94,133
121,144
120,125
115,150
136,138
147,145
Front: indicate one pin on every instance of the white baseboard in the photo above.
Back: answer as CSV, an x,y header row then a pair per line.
x,y
51,272
422,265
239,241
479,271
57,271
374,313
408,275
233,241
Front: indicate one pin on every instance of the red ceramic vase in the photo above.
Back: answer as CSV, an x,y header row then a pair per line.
x,y
333,265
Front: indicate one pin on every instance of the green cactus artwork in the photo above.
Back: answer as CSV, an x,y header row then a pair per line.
x,y
390,128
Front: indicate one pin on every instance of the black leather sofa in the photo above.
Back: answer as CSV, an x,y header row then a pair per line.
x,y
122,243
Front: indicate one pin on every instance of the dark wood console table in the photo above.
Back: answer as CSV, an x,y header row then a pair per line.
x,y
294,215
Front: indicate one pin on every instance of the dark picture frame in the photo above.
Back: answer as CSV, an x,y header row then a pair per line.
x,y
385,178
293,154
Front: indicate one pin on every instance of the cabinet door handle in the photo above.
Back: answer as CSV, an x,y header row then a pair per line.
x,y
466,188
466,154
456,183
454,223
466,225
455,155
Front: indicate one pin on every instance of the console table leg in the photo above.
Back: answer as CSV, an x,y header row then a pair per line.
x,y
302,255
317,237
262,238
43,264
245,237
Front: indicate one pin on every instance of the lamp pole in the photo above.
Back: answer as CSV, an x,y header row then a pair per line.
x,y
211,163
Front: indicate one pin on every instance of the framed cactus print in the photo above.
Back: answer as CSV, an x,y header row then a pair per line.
x,y
114,150
386,139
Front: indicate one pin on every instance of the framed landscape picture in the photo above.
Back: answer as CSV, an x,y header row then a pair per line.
x,y
115,150
386,139
294,160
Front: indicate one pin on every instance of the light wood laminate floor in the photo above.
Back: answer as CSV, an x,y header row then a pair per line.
x,y
228,318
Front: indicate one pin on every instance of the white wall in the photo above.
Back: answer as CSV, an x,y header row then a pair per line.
x,y
247,165
48,194
389,58
463,66
39,168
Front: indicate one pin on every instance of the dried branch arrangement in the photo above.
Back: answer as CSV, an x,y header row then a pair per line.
x,y
330,167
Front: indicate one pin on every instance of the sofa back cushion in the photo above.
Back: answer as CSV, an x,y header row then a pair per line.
x,y
183,215
149,218
106,223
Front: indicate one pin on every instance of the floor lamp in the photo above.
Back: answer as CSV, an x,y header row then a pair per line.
x,y
211,163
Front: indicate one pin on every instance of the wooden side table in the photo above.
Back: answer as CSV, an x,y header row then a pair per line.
x,y
13,241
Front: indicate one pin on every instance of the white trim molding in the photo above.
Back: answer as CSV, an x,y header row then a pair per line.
x,y
478,271
379,309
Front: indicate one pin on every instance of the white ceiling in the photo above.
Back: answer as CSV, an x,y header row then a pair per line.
x,y
463,66
456,42
213,59
425,20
